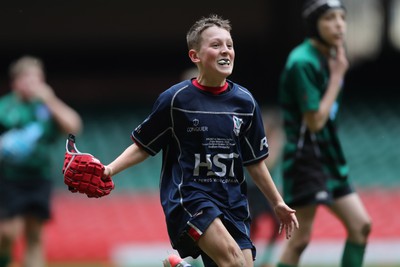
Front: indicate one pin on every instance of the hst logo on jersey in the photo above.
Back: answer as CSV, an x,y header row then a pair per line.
x,y
196,127
237,123
225,164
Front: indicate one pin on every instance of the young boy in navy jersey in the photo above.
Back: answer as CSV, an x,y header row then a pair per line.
x,y
208,128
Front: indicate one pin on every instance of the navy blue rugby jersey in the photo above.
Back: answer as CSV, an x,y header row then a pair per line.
x,y
206,140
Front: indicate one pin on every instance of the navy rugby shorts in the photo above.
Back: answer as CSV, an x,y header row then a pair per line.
x,y
239,229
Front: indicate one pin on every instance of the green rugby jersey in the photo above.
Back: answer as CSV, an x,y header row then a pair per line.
x,y
302,85
24,118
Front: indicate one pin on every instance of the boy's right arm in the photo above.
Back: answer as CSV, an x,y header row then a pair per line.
x,y
130,157
338,66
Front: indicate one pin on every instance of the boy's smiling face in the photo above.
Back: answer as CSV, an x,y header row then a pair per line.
x,y
216,55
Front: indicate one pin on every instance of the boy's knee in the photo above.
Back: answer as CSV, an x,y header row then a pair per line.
x,y
300,244
300,247
366,229
235,258
361,232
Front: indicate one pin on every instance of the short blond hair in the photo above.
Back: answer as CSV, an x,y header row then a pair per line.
x,y
193,36
23,63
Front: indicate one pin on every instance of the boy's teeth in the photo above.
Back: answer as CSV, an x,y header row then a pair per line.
x,y
223,61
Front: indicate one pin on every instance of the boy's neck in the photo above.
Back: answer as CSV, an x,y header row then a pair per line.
x,y
211,89
321,47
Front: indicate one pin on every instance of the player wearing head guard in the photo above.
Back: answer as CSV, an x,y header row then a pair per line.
x,y
315,170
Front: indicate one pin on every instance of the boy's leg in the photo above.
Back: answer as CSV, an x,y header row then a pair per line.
x,y
350,210
9,232
248,255
208,262
294,247
220,246
34,254
353,255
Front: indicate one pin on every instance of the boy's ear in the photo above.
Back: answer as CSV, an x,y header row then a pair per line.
x,y
193,56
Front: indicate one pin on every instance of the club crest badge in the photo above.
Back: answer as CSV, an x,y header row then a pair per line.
x,y
237,123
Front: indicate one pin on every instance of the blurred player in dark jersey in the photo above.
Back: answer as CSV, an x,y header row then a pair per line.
x,y
32,117
207,128
315,169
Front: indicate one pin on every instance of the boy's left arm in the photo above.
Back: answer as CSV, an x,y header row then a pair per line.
x,y
262,178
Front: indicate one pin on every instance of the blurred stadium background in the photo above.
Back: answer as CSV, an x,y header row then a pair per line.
x,y
110,60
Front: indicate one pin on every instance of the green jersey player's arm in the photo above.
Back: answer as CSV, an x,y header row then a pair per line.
x,y
316,120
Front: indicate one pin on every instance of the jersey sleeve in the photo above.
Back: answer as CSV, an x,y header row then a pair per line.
x,y
304,82
254,144
155,131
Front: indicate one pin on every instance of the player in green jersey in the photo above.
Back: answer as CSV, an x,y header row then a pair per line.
x,y
314,168
31,118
